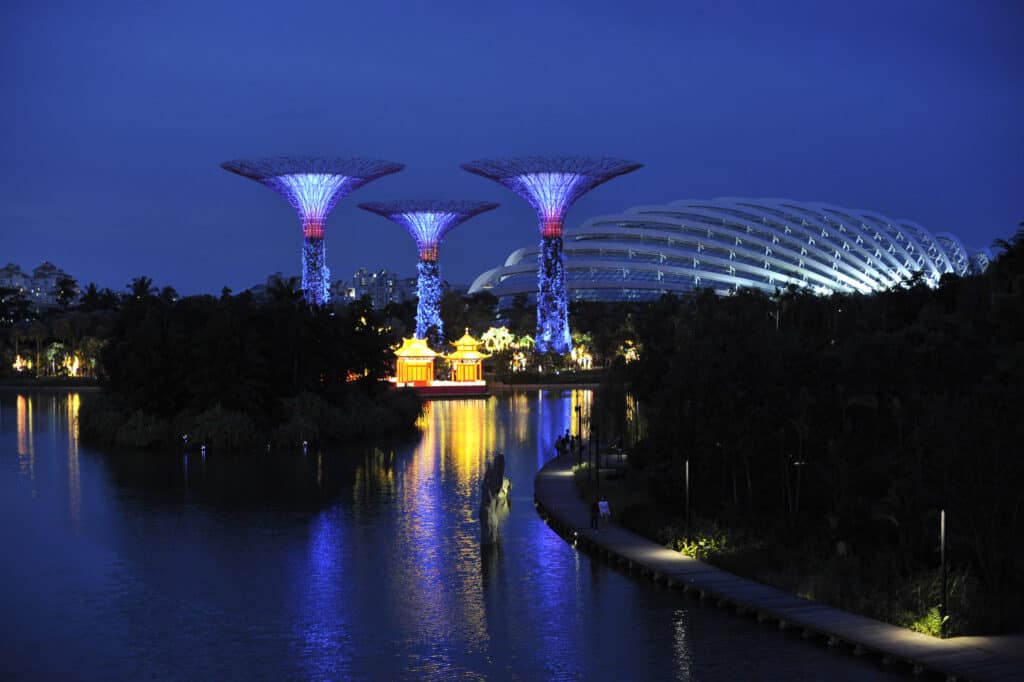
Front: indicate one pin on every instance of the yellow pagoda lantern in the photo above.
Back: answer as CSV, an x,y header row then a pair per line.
x,y
466,361
415,362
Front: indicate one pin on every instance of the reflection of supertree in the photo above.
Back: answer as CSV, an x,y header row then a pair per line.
x,y
551,185
428,222
313,186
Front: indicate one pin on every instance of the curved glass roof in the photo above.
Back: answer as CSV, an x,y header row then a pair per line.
x,y
732,243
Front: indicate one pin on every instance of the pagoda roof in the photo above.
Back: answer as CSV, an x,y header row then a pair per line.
x,y
415,348
466,349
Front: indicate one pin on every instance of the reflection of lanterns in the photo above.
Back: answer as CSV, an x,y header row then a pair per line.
x,y
415,362
466,361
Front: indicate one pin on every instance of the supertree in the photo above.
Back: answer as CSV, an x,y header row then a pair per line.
x,y
428,222
313,186
551,185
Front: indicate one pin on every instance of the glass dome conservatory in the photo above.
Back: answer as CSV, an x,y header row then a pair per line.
x,y
731,243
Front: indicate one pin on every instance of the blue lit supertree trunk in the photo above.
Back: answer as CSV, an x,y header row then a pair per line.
x,y
316,276
428,305
552,300
313,186
428,221
551,185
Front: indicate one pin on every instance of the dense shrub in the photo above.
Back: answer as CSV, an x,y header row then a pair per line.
x,y
834,429
141,430
235,374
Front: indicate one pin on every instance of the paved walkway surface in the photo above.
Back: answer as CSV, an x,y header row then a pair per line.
x,y
968,658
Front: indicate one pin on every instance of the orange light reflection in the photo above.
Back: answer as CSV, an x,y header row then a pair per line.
x,y
26,446
74,482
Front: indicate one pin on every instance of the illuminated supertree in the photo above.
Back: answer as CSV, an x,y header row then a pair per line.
x,y
551,185
313,186
428,222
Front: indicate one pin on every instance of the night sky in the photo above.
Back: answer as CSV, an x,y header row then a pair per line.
x,y
118,114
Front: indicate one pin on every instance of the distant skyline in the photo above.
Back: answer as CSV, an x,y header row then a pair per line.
x,y
120,113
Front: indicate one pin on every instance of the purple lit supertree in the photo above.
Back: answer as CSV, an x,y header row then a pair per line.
x,y
313,186
428,222
551,185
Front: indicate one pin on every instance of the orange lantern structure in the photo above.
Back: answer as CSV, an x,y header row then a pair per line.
x,y
415,362
466,361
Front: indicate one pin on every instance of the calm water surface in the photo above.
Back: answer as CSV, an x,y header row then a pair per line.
x,y
361,564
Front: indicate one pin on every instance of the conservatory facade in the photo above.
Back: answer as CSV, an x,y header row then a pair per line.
x,y
732,243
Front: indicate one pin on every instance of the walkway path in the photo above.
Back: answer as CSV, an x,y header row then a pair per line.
x,y
969,658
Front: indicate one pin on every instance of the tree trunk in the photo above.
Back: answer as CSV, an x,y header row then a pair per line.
x,y
750,484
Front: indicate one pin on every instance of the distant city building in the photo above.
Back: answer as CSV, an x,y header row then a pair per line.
x,y
11,277
382,287
731,243
40,288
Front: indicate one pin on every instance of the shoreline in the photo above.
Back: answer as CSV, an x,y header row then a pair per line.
x,y
498,387
6,385
976,658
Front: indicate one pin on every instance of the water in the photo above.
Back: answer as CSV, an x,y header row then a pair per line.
x,y
360,564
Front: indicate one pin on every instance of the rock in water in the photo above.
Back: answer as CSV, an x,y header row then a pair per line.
x,y
494,502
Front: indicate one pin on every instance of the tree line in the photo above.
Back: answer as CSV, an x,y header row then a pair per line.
x,y
60,341
836,428
237,372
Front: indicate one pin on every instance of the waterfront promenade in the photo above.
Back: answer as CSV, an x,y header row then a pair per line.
x,y
963,658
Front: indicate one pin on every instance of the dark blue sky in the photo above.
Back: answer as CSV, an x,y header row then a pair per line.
x,y
117,115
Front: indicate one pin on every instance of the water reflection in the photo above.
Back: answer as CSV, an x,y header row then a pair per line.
x,y
519,416
74,479
324,627
440,564
374,478
26,444
346,563
60,414
681,645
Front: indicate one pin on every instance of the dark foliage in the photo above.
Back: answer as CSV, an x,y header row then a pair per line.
x,y
243,372
844,424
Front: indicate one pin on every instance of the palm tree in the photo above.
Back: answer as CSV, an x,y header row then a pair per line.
x,y
38,332
285,291
141,287
66,290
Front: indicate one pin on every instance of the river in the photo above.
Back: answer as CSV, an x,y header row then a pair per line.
x,y
362,563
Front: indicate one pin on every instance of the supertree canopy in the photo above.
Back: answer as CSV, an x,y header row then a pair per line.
x,y
551,185
313,186
428,222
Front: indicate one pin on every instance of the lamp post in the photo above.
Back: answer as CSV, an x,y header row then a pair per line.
x,y
687,474
943,607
